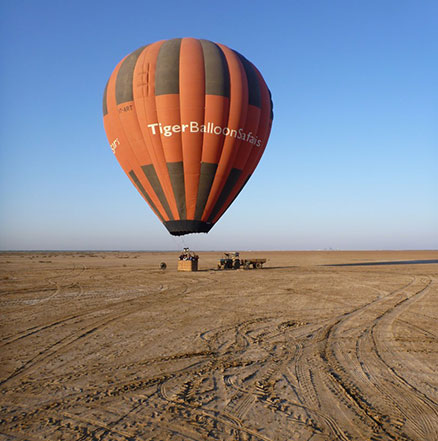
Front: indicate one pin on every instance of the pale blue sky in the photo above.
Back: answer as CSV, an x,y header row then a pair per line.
x,y
353,156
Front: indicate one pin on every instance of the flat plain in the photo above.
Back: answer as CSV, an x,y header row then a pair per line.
x,y
315,346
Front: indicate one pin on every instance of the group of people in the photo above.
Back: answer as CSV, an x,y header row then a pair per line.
x,y
188,255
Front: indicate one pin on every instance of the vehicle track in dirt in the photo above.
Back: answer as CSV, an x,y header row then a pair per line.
x,y
307,353
127,307
368,368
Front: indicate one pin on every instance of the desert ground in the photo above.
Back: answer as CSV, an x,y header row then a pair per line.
x,y
315,346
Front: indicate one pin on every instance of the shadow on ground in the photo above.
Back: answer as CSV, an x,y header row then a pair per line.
x,y
395,262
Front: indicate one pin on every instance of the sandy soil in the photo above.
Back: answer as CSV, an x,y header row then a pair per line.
x,y
106,346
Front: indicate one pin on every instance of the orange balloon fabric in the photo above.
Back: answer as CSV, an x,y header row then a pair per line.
x,y
188,120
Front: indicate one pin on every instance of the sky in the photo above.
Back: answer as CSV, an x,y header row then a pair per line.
x,y
351,163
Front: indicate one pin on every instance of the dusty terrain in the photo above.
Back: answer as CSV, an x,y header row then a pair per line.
x,y
106,346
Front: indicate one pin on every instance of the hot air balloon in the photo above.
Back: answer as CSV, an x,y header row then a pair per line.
x,y
188,121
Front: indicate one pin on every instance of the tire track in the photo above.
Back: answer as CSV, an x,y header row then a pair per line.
x,y
277,369
65,343
362,388
420,410
89,315
333,375
397,396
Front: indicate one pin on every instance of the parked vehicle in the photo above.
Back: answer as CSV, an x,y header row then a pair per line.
x,y
233,261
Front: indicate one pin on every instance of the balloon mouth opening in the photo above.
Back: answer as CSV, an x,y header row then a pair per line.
x,y
181,227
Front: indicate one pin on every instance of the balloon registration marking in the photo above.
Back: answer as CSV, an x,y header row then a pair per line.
x,y
114,145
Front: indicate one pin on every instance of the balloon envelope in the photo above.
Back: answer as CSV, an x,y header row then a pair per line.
x,y
188,121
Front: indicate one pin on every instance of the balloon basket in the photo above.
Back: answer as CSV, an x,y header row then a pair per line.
x,y
188,261
187,265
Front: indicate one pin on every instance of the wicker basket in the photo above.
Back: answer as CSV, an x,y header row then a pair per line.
x,y
187,265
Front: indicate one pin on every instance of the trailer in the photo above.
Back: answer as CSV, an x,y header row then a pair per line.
x,y
254,263
233,261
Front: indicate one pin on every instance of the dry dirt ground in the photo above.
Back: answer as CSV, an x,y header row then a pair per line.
x,y
106,346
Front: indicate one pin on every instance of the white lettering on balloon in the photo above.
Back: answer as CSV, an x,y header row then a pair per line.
x,y
209,127
114,145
